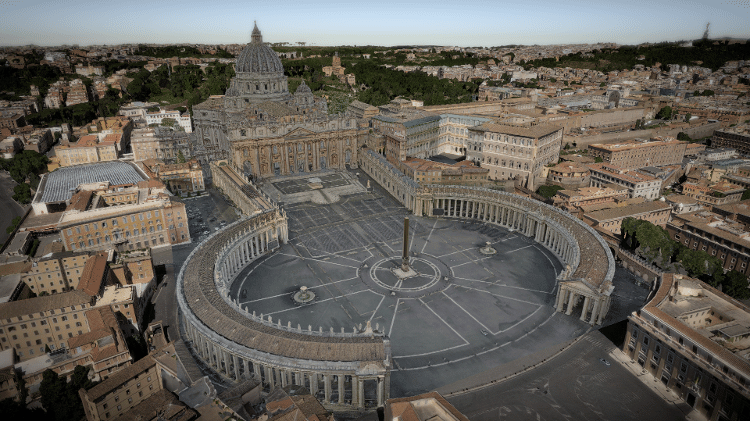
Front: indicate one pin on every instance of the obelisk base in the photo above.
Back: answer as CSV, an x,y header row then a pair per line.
x,y
404,274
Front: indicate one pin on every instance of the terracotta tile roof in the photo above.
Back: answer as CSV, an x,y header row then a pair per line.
x,y
119,377
163,405
93,274
532,132
625,211
111,139
80,200
17,267
429,395
44,303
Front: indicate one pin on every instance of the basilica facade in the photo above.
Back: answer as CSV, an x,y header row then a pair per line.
x,y
263,130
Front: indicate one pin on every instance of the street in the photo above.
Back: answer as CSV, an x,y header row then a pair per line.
x,y
9,209
586,381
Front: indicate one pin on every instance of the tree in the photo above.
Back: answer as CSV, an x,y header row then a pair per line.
x,y
22,193
688,116
548,191
598,159
13,225
180,157
700,264
684,137
735,285
665,113
60,397
746,194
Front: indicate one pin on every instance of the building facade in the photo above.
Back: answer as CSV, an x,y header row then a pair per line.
x,y
641,153
714,234
693,338
264,130
639,184
156,219
182,120
610,220
58,272
453,135
512,151
31,326
736,138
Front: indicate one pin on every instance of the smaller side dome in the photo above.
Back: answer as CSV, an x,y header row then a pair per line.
x,y
303,89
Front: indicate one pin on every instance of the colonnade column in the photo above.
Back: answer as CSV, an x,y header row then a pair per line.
x,y
595,312
269,378
236,368
355,391
327,388
313,384
361,393
341,379
562,295
381,391
585,309
571,302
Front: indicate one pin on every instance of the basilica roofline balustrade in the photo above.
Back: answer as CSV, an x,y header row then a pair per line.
x,y
332,122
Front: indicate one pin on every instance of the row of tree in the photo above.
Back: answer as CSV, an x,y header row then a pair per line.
x,y
386,84
653,243
711,54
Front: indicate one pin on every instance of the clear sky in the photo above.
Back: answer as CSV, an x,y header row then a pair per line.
x,y
383,22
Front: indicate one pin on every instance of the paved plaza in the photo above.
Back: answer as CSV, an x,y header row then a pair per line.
x,y
460,314
589,380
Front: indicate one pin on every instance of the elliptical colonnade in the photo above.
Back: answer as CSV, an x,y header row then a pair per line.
x,y
589,264
347,371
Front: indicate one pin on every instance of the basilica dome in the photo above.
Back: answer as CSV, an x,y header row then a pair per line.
x,y
257,57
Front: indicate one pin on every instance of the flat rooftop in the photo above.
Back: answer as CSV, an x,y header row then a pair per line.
x,y
59,185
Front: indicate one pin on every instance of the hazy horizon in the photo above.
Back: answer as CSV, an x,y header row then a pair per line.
x,y
471,23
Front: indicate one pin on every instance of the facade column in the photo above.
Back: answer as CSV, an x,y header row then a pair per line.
x,y
256,371
381,385
585,309
269,378
561,299
327,388
595,311
314,383
571,302
298,378
355,393
341,379
361,393
603,308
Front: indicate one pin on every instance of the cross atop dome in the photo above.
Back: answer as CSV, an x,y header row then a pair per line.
x,y
256,37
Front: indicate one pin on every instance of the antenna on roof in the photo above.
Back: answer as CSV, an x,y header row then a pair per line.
x,y
705,33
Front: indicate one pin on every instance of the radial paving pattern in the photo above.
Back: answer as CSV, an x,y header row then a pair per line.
x,y
460,314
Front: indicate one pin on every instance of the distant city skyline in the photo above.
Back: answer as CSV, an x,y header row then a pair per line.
x,y
387,23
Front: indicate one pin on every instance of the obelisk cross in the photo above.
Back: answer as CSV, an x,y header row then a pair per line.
x,y
405,255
